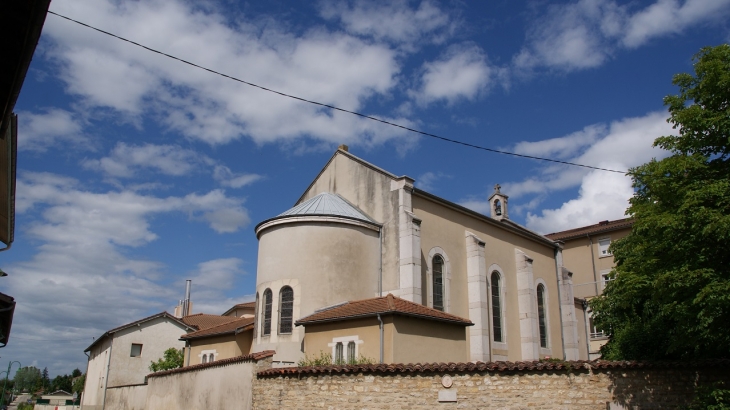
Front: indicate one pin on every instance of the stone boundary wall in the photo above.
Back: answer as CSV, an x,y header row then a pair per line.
x,y
571,386
131,397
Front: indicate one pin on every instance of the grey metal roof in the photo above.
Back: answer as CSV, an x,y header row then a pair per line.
x,y
327,203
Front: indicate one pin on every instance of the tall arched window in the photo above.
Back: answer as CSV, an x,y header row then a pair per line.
x,y
286,309
541,315
266,314
351,353
339,354
438,282
205,358
211,358
496,307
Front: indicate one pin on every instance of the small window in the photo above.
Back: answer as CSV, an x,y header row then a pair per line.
x,y
595,331
351,352
339,354
204,359
603,247
136,350
541,315
211,358
266,323
605,278
438,283
496,308
286,309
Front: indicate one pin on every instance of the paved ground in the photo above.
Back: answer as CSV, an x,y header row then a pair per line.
x,y
19,399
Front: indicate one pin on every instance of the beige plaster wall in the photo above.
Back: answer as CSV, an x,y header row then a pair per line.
x,y
96,374
577,257
370,191
426,341
445,227
155,335
225,346
225,387
126,398
319,336
324,263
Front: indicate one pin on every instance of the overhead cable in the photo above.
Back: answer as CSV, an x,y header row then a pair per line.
x,y
427,134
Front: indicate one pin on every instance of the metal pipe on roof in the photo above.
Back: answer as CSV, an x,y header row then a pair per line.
x,y
186,303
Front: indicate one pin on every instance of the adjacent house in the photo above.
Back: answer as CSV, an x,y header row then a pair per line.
x,y
121,356
359,232
385,329
224,341
586,253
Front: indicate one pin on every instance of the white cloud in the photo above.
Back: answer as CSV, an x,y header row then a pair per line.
x,y
331,67
124,160
85,278
586,33
427,180
393,21
40,131
604,195
462,73
228,178
671,17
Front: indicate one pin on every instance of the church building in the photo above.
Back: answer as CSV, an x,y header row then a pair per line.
x,y
364,244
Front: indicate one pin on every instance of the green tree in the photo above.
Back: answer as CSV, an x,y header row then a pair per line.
x,y
172,359
27,379
671,295
76,373
78,384
61,383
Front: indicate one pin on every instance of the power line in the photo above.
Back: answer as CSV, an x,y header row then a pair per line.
x,y
337,108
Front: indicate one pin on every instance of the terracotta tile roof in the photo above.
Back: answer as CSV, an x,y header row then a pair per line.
x,y
486,367
203,321
234,326
253,357
385,305
601,227
247,305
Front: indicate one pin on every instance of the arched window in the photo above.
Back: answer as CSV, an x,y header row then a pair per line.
x,y
496,307
339,354
438,282
205,358
211,358
266,314
351,353
286,309
541,315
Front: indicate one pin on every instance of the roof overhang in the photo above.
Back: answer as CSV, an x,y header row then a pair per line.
x,y
305,322
313,218
7,309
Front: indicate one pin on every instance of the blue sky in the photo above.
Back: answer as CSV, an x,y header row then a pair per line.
x,y
137,172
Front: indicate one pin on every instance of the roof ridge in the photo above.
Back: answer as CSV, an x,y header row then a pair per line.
x,y
207,329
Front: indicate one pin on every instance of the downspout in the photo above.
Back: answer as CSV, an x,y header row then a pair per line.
x,y
382,329
190,352
380,275
593,263
584,303
108,365
560,302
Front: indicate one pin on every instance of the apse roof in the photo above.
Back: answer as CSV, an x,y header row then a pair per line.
x,y
328,204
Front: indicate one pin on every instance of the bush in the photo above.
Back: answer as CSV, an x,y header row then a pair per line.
x,y
325,359
713,397
25,406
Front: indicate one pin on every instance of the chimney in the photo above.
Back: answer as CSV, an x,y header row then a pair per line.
x,y
343,147
186,302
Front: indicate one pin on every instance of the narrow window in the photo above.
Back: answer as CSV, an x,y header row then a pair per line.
x,y
351,353
541,315
339,359
438,283
595,331
136,350
496,308
286,309
266,323
211,357
603,245
205,358
256,311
